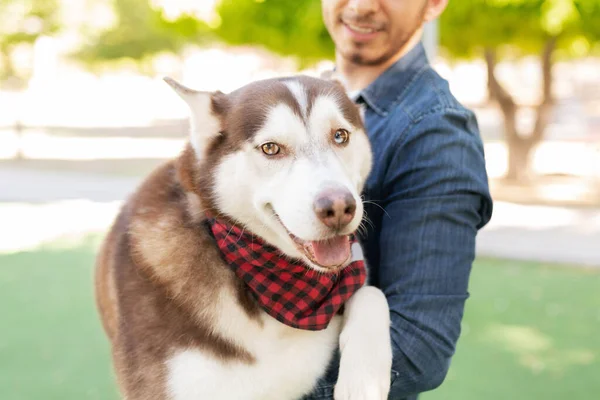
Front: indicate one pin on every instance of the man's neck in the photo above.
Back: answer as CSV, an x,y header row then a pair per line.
x,y
357,76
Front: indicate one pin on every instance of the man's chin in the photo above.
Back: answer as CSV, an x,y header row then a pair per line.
x,y
373,54
366,55
363,58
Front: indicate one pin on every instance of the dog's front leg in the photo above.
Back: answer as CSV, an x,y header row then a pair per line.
x,y
365,347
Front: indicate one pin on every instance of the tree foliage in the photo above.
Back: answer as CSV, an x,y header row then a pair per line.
x,y
22,22
141,31
467,27
589,19
286,27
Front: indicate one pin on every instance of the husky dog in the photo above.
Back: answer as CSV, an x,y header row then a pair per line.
x,y
232,271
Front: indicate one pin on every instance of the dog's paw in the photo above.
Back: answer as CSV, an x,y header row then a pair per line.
x,y
366,351
358,382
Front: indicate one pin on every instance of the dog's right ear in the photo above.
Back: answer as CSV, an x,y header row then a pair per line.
x,y
206,109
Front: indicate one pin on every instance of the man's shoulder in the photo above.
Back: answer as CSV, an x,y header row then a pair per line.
x,y
429,96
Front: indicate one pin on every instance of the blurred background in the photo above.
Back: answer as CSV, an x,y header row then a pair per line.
x,y
85,115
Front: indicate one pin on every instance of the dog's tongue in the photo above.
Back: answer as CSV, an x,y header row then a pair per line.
x,y
331,252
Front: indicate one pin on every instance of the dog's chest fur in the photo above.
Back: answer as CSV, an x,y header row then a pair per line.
x,y
287,363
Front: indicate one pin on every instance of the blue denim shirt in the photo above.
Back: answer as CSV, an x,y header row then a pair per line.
x,y
427,197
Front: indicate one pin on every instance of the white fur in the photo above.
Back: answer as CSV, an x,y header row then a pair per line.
x,y
356,157
284,127
203,123
299,94
288,361
366,351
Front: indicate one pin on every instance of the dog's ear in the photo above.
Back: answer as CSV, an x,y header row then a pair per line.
x,y
335,77
206,111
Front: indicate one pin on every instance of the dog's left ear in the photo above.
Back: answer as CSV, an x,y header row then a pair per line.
x,y
335,77
339,80
206,110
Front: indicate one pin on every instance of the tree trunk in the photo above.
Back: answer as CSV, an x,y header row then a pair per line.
x,y
19,132
547,76
490,57
520,147
519,158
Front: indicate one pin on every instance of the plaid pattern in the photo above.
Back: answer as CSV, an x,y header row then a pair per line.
x,y
286,289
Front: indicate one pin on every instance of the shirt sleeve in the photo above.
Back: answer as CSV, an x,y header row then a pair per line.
x,y
436,198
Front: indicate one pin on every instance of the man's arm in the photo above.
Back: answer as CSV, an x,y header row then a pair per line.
x,y
436,198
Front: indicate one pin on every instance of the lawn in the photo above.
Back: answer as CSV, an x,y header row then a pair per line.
x,y
530,331
51,342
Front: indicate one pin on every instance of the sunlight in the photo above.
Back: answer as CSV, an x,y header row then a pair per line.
x,y
541,217
25,227
42,146
204,10
536,350
519,339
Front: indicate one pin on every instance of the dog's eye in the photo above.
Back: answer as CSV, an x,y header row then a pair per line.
x,y
270,149
341,136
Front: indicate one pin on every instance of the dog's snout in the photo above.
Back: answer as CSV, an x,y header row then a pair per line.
x,y
335,208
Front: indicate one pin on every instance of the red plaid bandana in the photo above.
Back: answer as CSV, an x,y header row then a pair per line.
x,y
288,290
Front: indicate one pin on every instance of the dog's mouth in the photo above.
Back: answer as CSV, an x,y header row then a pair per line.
x,y
330,254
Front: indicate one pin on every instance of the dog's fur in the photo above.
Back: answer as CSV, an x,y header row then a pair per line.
x,y
180,323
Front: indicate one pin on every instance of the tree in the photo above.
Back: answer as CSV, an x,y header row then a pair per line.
x,y
23,22
496,28
141,31
285,27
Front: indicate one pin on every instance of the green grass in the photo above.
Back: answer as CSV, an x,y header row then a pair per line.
x,y
530,331
51,341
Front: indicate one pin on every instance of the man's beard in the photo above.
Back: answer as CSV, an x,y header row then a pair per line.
x,y
358,58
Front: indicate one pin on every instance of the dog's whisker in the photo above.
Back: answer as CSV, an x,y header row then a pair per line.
x,y
241,234
362,229
375,204
367,220
230,229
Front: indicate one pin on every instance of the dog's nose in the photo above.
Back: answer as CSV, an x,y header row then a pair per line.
x,y
335,207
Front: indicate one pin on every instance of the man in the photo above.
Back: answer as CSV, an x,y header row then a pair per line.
x,y
428,191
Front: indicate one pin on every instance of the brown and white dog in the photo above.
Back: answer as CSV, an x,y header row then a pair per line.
x,y
286,159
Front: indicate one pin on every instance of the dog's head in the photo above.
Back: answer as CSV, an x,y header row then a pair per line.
x,y
286,159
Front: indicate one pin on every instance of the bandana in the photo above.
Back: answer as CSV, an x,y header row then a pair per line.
x,y
288,290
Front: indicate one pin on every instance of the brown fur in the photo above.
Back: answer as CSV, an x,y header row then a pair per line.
x,y
158,271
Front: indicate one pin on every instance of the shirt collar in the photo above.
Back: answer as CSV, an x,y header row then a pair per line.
x,y
384,92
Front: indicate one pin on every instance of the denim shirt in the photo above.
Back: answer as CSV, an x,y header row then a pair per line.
x,y
427,197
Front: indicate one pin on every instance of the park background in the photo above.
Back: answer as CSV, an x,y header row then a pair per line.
x,y
84,115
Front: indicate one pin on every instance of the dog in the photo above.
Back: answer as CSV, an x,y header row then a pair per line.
x,y
233,270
